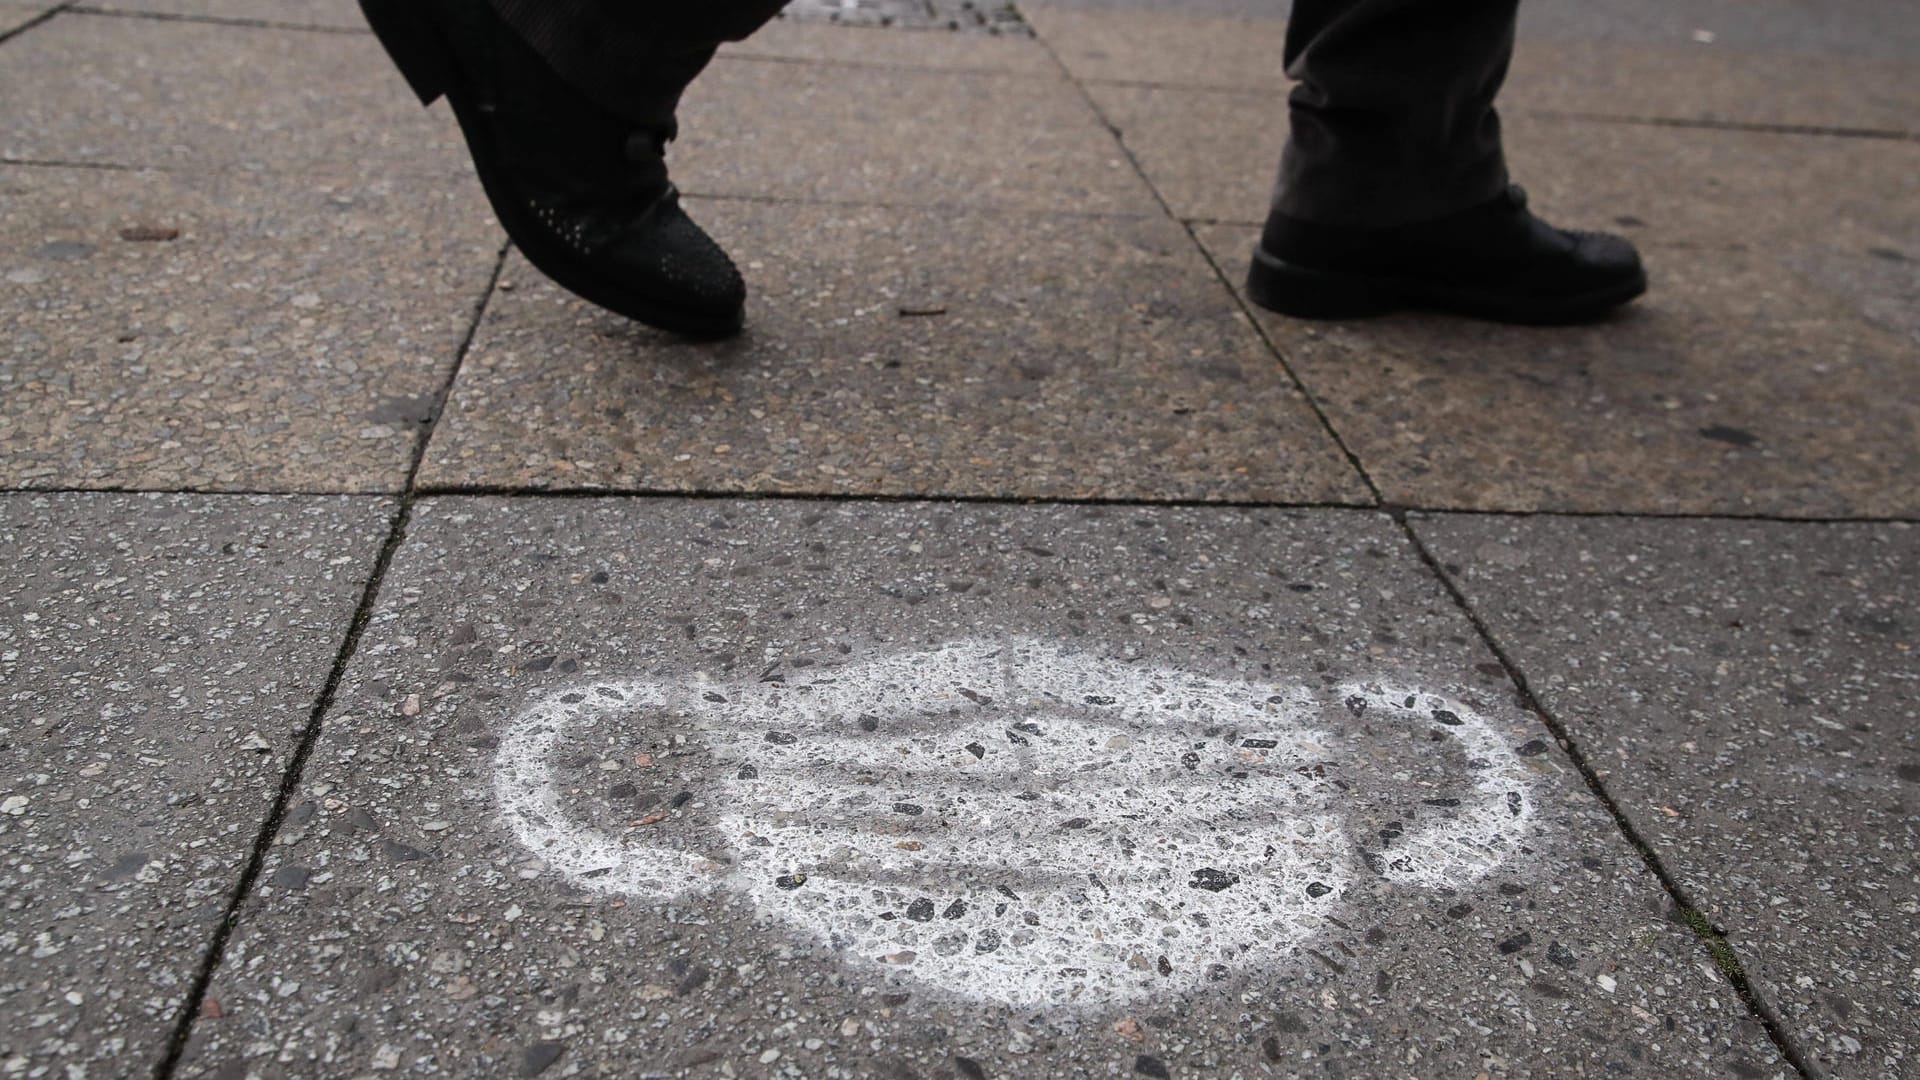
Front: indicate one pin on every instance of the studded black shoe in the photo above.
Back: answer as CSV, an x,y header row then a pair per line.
x,y
583,195
1495,261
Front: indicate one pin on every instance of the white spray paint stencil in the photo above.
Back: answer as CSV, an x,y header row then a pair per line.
x,y
1013,822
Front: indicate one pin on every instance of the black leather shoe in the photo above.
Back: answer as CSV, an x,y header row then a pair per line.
x,y
583,194
1494,261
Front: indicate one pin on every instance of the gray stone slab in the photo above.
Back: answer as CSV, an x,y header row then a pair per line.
x,y
1213,156
901,137
152,92
1748,690
1744,383
287,337
1687,81
1039,356
160,656
782,664
332,14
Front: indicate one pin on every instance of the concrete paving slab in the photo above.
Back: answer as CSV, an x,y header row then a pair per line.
x,y
902,353
1737,386
843,789
1213,156
150,92
160,657
331,14
1875,28
229,331
798,39
1688,81
901,137
1882,28
1748,689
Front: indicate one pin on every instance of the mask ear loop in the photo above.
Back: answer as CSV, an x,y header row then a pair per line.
x,y
1489,828
529,802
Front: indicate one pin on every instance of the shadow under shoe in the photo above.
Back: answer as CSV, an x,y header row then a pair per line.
x,y
582,193
1495,261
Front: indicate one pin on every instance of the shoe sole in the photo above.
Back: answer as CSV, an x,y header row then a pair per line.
x,y
1305,293
426,61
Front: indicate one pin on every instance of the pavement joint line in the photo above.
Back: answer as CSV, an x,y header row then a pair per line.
x,y
1708,124
508,491
477,491
1650,242
55,163
38,20
449,174
945,209
216,20
316,719
1659,515
881,65
1007,210
210,492
1712,938
1120,144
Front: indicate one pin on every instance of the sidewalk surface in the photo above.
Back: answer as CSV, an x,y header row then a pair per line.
x,y
1014,656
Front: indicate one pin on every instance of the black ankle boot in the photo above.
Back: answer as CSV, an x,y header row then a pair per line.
x,y
1494,261
583,194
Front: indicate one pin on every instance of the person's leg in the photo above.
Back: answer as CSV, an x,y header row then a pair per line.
x,y
634,57
1393,188
1392,117
567,107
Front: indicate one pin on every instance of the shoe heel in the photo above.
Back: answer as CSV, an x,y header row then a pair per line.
x,y
408,34
1315,294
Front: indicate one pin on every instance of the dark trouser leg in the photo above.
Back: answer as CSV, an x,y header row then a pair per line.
x,y
633,57
1393,119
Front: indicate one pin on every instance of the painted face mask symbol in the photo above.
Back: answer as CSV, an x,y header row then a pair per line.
x,y
1013,821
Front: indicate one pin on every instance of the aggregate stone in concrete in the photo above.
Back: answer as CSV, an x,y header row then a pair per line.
x,y
902,352
159,658
1748,690
109,90
332,14
1737,385
1214,154
701,788
803,39
232,330
896,136
996,17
